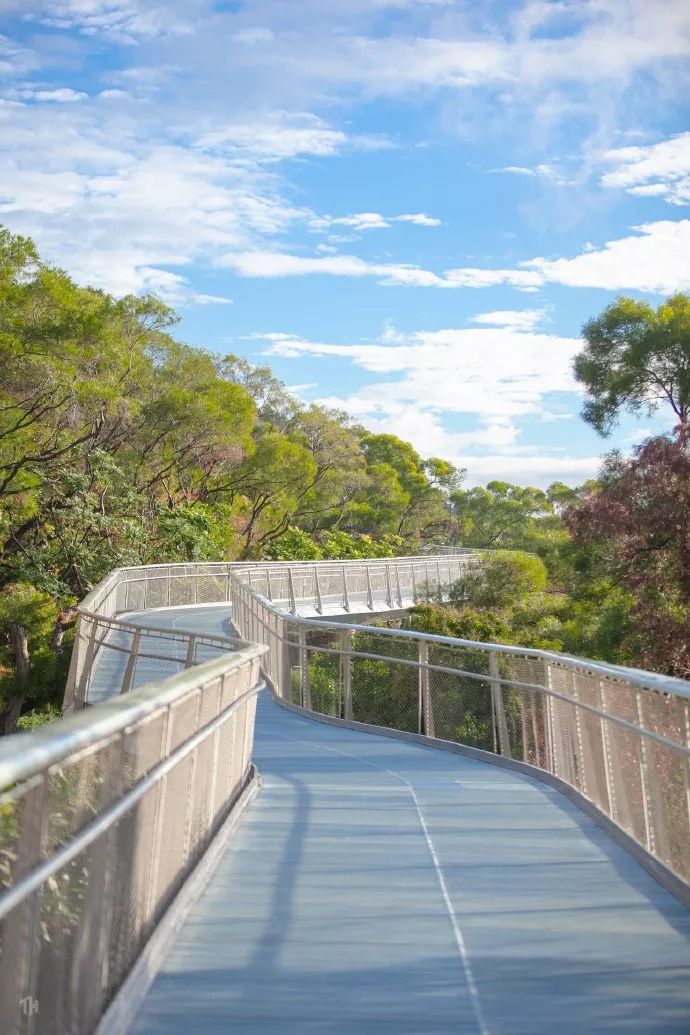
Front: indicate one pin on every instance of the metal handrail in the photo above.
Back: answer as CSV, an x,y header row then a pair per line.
x,y
32,752
182,747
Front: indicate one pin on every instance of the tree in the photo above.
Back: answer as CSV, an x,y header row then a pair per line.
x,y
639,523
636,358
503,580
340,467
273,401
30,659
500,515
424,502
268,488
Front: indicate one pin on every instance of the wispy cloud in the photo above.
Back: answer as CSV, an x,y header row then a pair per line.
x,y
659,170
656,258
361,221
420,379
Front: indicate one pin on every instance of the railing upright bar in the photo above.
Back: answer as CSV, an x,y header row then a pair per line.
x,y
305,691
348,637
370,594
319,601
608,767
346,595
128,677
686,716
499,708
643,765
291,590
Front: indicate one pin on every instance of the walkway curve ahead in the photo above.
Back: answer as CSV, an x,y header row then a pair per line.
x,y
386,887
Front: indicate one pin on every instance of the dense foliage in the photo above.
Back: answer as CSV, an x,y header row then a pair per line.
x,y
121,445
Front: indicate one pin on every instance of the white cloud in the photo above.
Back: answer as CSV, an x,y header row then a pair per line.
x,y
539,469
113,205
121,20
452,370
515,319
361,221
652,170
281,264
65,95
426,377
15,60
276,136
656,258
418,218
516,170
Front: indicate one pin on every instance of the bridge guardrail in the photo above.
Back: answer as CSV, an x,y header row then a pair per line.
x,y
103,816
618,736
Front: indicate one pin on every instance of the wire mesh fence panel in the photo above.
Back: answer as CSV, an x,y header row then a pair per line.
x,y
668,772
385,685
460,710
103,816
625,750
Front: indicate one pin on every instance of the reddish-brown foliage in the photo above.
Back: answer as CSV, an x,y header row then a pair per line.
x,y
641,518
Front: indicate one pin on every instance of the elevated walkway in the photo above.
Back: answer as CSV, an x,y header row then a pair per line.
x,y
450,836
380,886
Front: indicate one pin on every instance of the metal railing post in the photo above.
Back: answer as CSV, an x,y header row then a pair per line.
x,y
191,651
608,775
291,591
578,733
128,677
548,724
304,668
346,595
389,590
285,679
498,705
370,595
319,601
643,763
348,636
397,583
425,705
414,584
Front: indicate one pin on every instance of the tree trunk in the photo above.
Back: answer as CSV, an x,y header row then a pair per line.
x,y
10,712
64,620
19,647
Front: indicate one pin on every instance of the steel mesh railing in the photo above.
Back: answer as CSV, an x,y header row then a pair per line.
x,y
102,817
619,736
105,813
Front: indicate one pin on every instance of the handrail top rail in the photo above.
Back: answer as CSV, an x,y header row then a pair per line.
x,y
636,676
163,631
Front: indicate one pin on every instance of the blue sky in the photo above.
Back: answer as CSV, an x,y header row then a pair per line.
x,y
407,207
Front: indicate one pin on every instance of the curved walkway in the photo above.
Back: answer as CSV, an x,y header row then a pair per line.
x,y
386,887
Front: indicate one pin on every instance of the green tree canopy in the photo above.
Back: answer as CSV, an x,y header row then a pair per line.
x,y
636,358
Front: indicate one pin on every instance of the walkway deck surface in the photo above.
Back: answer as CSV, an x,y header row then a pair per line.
x,y
385,887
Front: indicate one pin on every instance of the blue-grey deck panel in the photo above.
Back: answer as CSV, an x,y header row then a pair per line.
x,y
386,887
